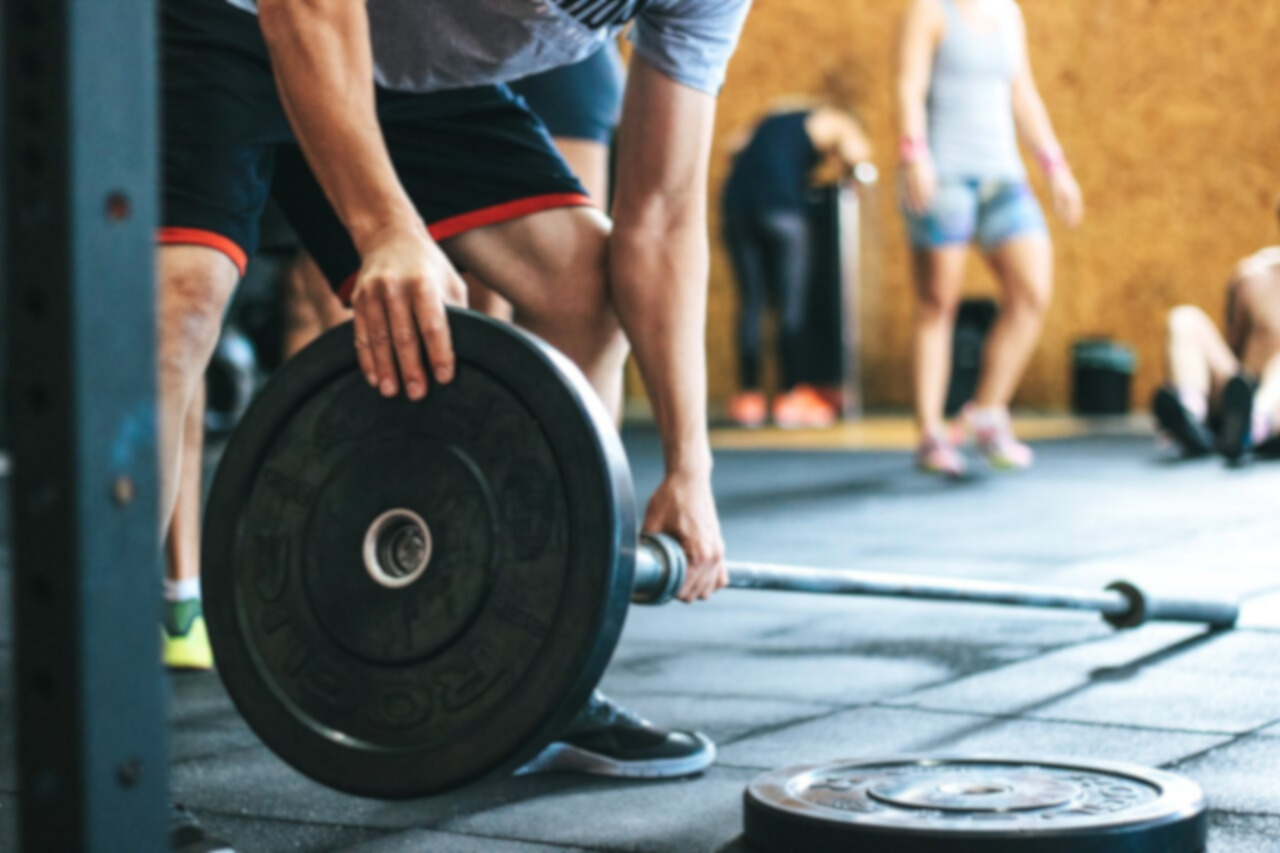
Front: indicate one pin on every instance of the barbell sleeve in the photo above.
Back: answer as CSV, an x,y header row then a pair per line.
x,y
661,566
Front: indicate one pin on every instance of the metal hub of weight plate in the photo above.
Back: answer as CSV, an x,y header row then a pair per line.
x,y
967,805
403,597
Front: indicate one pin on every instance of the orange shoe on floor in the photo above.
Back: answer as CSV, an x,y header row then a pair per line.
x,y
748,409
802,408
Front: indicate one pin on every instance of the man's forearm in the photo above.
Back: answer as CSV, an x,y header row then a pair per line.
x,y
659,283
323,61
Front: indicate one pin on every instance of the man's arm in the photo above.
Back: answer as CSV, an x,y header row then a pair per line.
x,y
323,62
659,262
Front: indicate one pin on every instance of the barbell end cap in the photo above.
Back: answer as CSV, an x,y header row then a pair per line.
x,y
661,566
1136,615
1218,615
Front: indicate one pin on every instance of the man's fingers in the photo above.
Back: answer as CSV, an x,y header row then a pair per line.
x,y
363,354
434,324
405,341
375,321
693,583
706,572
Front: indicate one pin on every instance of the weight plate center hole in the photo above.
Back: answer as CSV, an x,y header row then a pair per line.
x,y
972,789
397,548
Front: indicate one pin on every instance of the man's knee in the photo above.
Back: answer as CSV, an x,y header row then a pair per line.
x,y
572,286
1187,322
194,288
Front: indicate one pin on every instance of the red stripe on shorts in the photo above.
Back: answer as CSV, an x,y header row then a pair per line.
x,y
498,213
505,212
199,237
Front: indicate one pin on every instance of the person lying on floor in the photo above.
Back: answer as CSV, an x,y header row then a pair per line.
x,y
1223,390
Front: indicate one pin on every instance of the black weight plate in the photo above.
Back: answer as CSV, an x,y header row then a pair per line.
x,y
474,666
974,805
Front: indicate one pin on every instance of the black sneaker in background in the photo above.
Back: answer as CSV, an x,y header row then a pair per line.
x,y
606,739
1191,433
1237,418
186,835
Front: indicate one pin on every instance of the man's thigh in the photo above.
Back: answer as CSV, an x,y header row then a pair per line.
x,y
545,263
471,160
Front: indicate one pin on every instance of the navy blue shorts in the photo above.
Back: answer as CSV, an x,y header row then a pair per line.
x,y
467,158
579,101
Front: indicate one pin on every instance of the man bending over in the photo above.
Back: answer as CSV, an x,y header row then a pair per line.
x,y
386,135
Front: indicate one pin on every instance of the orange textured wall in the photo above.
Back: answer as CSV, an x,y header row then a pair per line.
x,y
1169,111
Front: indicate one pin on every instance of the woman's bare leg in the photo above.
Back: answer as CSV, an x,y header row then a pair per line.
x,y
1024,267
939,277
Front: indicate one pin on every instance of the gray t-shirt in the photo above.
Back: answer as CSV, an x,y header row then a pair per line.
x,y
429,45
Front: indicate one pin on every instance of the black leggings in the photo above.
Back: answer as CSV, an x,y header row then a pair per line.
x,y
770,253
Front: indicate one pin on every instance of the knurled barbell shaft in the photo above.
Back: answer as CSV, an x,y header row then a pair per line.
x,y
661,566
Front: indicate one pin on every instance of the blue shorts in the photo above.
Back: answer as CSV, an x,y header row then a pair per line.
x,y
579,101
467,157
992,212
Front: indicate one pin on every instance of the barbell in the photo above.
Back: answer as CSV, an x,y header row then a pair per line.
x,y
406,597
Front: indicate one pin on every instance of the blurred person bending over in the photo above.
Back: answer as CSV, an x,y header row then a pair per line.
x,y
767,232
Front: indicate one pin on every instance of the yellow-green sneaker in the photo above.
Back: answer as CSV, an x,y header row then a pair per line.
x,y
185,638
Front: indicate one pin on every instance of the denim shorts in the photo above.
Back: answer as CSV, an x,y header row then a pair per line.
x,y
992,212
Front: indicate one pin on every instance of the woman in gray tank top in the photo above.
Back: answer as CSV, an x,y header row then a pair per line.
x,y
966,94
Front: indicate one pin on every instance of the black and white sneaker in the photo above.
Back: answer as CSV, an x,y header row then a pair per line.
x,y
1191,433
1237,418
186,835
606,739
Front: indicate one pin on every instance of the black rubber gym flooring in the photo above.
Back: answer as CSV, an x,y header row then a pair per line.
x,y
781,679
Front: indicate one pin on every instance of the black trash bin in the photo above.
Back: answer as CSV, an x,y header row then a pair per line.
x,y
973,322
1102,377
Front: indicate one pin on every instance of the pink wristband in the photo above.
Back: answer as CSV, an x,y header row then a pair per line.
x,y
1051,160
913,149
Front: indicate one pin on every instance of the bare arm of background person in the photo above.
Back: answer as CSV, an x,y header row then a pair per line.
x,y
659,265
1035,127
838,135
323,62
921,31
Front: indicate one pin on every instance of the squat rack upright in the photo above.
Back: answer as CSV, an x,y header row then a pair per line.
x,y
80,137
